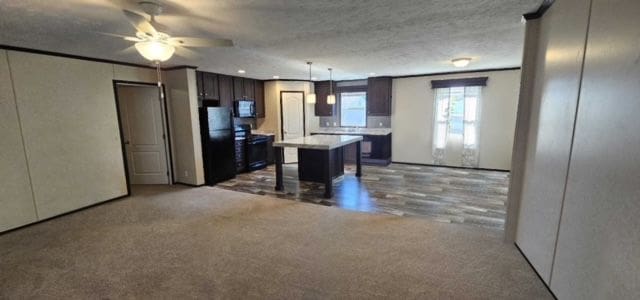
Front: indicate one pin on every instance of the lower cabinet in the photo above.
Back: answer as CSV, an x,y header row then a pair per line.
x,y
376,150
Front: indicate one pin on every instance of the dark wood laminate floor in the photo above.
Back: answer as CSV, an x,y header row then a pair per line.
x,y
450,195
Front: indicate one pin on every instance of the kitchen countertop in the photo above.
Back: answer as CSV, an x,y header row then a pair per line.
x,y
320,142
352,130
259,132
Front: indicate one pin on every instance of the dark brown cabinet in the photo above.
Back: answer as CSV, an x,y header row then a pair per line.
x,y
238,88
259,97
379,96
207,84
223,90
243,88
226,90
322,91
210,86
249,88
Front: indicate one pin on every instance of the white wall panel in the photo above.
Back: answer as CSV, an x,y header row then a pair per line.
x,y
552,114
16,199
70,129
598,251
185,126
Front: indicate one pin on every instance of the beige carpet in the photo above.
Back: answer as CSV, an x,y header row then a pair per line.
x,y
178,242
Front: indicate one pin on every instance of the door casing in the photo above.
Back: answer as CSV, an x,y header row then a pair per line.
x,y
166,128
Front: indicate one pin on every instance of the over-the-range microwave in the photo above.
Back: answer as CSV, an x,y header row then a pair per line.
x,y
245,108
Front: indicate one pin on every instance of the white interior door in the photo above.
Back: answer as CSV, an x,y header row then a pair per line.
x,y
144,135
292,121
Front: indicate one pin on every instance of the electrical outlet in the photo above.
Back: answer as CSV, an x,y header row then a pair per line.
x,y
380,124
327,123
335,124
186,173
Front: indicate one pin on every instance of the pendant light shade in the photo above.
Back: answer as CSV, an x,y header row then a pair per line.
x,y
331,98
155,50
311,97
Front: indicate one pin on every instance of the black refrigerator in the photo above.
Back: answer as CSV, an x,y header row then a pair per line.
x,y
218,144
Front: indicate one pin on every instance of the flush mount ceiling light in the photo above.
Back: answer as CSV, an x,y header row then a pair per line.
x,y
331,98
242,71
276,77
372,74
311,97
461,62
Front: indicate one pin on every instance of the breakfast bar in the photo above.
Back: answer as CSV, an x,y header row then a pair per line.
x,y
320,158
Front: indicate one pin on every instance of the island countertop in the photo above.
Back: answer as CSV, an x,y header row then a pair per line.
x,y
352,131
319,141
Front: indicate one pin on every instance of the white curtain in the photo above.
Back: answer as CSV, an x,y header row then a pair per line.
x,y
457,111
471,126
441,126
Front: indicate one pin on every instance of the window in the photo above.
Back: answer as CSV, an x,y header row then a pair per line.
x,y
456,123
353,109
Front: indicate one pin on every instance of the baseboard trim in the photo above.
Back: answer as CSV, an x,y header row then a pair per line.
x,y
189,184
535,271
64,214
450,167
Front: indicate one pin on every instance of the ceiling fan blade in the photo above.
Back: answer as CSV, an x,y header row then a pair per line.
x,y
198,42
140,23
128,50
124,37
187,53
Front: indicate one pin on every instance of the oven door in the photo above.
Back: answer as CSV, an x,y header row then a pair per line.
x,y
257,153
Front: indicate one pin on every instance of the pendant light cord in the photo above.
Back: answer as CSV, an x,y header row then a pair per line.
x,y
330,81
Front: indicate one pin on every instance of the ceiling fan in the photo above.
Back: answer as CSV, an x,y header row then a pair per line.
x,y
158,46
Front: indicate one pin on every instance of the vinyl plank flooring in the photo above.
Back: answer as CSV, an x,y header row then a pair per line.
x,y
473,197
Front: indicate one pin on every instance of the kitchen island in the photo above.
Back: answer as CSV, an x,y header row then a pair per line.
x,y
320,158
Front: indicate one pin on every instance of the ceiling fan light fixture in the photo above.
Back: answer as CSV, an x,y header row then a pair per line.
x,y
155,50
461,62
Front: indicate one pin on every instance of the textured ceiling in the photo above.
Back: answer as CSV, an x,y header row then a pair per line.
x,y
277,37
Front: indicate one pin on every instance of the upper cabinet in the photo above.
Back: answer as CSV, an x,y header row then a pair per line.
x,y
379,96
238,88
243,88
259,97
226,90
208,88
322,91
249,86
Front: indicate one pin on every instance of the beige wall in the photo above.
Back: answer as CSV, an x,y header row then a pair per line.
x,y
185,126
129,73
16,200
271,121
412,118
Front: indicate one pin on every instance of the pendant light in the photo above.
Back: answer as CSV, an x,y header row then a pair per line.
x,y
311,97
331,98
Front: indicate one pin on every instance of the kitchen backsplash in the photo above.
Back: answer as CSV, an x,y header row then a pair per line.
x,y
372,122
